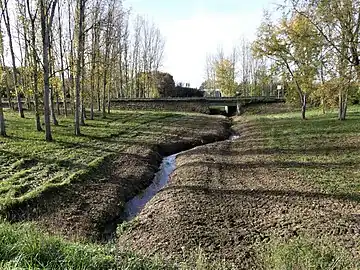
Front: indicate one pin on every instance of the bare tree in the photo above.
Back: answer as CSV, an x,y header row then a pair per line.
x,y
2,118
79,60
32,16
95,47
5,14
61,49
52,74
47,10
108,46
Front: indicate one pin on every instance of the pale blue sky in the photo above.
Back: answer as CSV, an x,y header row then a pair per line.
x,y
193,28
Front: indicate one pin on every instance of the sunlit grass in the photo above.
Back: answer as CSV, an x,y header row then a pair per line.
x,y
325,149
304,253
29,164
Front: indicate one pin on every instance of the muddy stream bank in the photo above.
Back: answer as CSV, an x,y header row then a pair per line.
x,y
161,178
88,203
231,199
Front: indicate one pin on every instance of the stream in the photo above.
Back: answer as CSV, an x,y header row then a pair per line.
x,y
136,204
167,167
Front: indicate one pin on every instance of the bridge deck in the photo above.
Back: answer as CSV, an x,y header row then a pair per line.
x,y
211,100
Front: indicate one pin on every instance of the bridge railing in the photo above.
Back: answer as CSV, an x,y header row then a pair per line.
x,y
174,99
201,98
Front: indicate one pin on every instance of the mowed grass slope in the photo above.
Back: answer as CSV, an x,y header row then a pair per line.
x,y
322,156
284,195
322,151
28,164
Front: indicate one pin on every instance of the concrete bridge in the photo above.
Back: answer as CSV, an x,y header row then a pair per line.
x,y
230,105
226,105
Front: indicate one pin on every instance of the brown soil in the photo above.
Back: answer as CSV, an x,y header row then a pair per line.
x,y
82,209
229,201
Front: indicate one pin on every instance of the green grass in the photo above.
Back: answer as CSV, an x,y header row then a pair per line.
x,y
322,151
29,165
307,254
23,247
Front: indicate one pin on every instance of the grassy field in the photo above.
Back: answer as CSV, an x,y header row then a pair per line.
x,y
322,150
285,195
28,164
323,155
319,158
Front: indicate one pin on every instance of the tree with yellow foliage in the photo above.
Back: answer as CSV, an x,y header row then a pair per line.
x,y
225,77
295,46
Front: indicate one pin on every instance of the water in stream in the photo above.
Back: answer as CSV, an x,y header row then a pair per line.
x,y
168,165
136,204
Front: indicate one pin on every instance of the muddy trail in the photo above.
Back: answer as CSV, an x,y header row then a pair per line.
x,y
230,198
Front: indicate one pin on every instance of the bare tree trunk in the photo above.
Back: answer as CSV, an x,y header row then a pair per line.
x,y
83,116
45,33
95,72
52,92
25,59
35,69
71,61
5,12
108,99
126,61
104,94
52,107
344,112
322,77
80,55
303,107
8,93
342,104
92,87
2,119
120,90
106,59
98,92
92,106
46,22
36,105
63,88
58,104
302,95
82,113
107,52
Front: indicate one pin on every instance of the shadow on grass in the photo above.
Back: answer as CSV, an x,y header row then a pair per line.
x,y
284,151
271,165
285,194
35,160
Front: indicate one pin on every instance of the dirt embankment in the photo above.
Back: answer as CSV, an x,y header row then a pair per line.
x,y
81,209
229,198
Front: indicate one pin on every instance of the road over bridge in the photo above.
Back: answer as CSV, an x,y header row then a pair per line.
x,y
230,105
203,105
